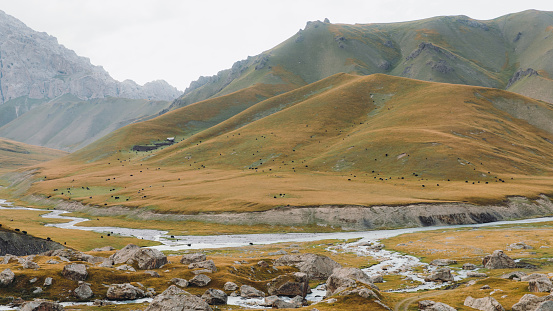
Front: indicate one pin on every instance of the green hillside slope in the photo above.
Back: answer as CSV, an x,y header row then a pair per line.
x,y
450,49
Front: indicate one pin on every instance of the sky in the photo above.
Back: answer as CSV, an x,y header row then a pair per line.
x,y
180,40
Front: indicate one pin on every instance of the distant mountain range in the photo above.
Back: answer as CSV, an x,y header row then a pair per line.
x,y
37,72
512,52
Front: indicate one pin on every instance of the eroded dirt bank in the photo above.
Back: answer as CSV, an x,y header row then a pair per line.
x,y
347,217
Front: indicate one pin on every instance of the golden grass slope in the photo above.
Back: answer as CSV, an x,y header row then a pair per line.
x,y
362,140
16,155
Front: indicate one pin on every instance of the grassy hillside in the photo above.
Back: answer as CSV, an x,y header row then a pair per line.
x,y
69,123
15,155
450,49
361,140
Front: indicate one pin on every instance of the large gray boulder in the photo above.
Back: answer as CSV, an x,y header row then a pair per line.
x,y
443,262
176,299
191,258
540,285
180,282
143,258
206,264
124,292
75,272
215,297
41,305
6,278
484,304
498,260
230,286
545,306
29,264
247,291
200,280
531,302
317,267
429,305
344,278
83,291
440,275
291,285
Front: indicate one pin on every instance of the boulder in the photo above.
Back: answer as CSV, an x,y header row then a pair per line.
x,y
200,280
513,275
153,274
9,258
472,274
83,292
180,282
377,278
442,262
291,285
361,292
144,258
6,278
124,292
429,305
317,267
28,264
206,264
174,298
215,297
191,258
533,276
125,268
344,278
545,306
103,249
440,275
540,285
530,302
230,286
498,260
75,272
41,305
485,304
247,291
48,281
520,245
469,266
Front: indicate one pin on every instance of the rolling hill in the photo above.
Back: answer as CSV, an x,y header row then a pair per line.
x,y
15,155
512,52
344,140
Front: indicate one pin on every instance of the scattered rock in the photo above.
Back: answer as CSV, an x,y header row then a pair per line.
x,y
180,282
263,264
344,278
516,275
206,264
442,275
291,285
83,292
429,305
520,245
377,278
103,249
247,291
317,267
530,302
48,281
28,264
9,258
533,276
485,304
230,286
361,292
191,258
6,278
41,305
540,285
33,280
152,273
215,297
174,298
37,290
107,263
144,258
124,292
443,262
126,268
52,262
202,271
469,266
280,252
472,274
486,287
200,280
498,260
75,272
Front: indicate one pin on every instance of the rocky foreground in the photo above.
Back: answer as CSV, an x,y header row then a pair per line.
x,y
195,282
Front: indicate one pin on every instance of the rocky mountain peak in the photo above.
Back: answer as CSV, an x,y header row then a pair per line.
x,y
34,65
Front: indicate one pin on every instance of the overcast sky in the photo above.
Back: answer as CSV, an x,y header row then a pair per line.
x,y
180,40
